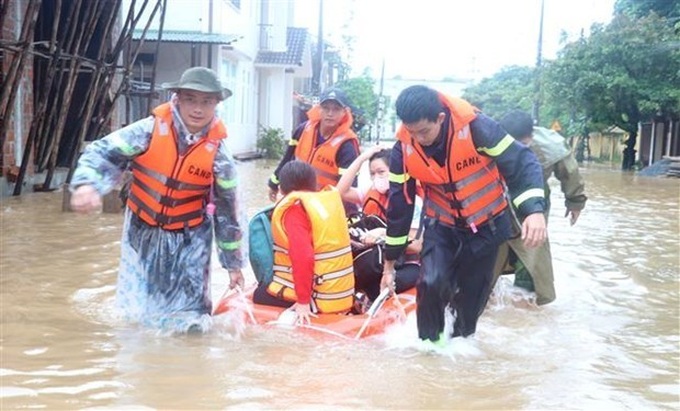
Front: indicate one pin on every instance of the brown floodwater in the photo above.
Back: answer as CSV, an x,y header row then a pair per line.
x,y
610,340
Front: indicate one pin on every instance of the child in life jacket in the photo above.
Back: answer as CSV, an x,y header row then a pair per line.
x,y
313,270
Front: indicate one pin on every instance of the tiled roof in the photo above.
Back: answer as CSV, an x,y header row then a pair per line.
x,y
296,41
176,36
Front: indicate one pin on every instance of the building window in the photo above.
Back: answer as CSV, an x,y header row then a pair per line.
x,y
229,78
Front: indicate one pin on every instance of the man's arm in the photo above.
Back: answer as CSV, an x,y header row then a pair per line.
x,y
516,163
273,181
101,166
228,215
573,186
400,207
349,177
522,173
103,162
299,230
347,153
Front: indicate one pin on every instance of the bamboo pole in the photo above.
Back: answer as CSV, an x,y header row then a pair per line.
x,y
45,91
132,56
152,83
96,91
54,97
100,102
14,76
91,17
4,6
49,125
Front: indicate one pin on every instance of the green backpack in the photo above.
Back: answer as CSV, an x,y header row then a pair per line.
x,y
261,245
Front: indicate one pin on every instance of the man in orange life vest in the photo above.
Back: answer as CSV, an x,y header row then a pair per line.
x,y
325,141
182,173
460,157
312,254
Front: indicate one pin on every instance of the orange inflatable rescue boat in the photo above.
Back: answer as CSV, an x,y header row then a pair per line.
x,y
384,312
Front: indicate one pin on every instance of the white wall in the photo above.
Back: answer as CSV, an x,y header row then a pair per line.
x,y
260,95
239,112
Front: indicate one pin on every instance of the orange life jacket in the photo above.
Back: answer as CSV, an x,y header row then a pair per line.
x,y
375,203
467,191
323,157
170,190
333,285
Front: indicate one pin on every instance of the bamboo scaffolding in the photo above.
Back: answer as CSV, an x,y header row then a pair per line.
x,y
39,113
99,100
13,79
52,89
92,14
152,84
42,139
93,98
66,60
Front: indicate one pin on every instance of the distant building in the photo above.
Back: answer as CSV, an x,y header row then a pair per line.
x,y
608,145
658,138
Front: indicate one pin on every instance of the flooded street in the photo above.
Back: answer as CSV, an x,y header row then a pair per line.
x,y
611,340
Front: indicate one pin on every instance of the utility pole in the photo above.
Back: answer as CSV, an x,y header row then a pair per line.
x,y
539,62
317,68
381,105
210,30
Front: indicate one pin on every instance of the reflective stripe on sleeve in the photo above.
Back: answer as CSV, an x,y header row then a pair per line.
x,y
396,241
399,178
531,193
121,145
292,142
229,245
499,148
274,179
226,184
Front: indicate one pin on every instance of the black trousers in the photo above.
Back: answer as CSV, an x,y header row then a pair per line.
x,y
457,270
368,281
261,296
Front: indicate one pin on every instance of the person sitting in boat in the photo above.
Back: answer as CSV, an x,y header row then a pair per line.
x,y
313,270
373,201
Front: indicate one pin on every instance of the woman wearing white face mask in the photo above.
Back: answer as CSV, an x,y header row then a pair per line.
x,y
374,201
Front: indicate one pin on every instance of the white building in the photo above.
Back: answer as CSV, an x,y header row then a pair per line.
x,y
250,44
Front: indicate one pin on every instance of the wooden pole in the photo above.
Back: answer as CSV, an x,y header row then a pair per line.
x,y
96,91
13,79
152,83
46,129
91,17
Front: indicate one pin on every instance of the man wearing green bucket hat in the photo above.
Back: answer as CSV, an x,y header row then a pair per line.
x,y
184,180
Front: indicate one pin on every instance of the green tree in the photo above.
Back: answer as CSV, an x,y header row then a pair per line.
x,y
360,91
622,74
511,88
669,9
